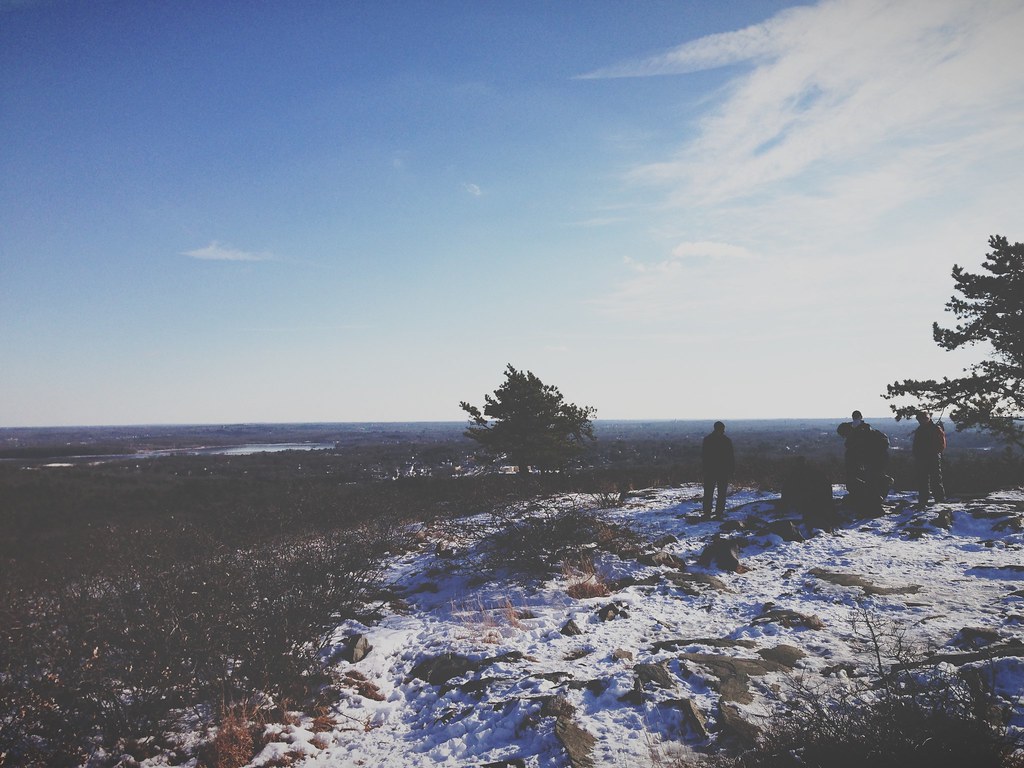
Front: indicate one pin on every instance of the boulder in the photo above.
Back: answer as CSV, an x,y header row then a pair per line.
x,y
733,674
735,727
785,530
611,611
557,706
661,557
693,719
438,670
355,648
571,629
724,553
786,655
790,619
578,743
654,674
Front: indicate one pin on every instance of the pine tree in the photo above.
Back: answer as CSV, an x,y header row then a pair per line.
x,y
990,311
532,424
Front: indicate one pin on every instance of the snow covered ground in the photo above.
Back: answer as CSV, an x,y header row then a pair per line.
x,y
472,672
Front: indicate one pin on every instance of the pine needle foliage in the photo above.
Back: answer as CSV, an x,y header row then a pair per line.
x,y
990,311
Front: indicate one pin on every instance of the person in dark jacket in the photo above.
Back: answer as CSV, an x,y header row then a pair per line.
x,y
718,463
867,458
929,443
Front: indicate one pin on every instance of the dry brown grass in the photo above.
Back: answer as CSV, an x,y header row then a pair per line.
x,y
583,579
234,745
488,624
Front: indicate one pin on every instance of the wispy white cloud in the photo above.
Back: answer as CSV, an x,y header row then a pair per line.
x,y
706,250
859,130
598,221
216,251
853,84
706,53
472,189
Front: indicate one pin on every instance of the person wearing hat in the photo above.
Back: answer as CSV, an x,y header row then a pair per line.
x,y
718,463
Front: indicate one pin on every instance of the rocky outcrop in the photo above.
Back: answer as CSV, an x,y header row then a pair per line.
x,y
788,618
853,580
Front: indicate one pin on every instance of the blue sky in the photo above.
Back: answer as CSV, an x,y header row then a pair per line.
x,y
218,212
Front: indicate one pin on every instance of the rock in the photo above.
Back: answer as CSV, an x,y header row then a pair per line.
x,y
790,619
552,677
620,655
712,642
355,648
611,611
785,530
944,519
692,583
557,706
735,727
440,669
577,742
661,557
656,674
972,638
725,553
853,580
571,629
786,655
515,762
693,719
733,673
665,541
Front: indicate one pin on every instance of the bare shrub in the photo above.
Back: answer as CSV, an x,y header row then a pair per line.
x,y
583,579
234,745
927,721
535,535
173,625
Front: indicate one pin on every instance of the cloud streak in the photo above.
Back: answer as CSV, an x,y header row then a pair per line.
x,y
849,83
216,251
864,132
708,52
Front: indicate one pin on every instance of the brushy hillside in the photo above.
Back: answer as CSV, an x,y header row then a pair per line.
x,y
269,611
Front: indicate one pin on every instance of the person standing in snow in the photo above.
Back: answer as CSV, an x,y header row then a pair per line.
x,y
867,457
929,443
718,463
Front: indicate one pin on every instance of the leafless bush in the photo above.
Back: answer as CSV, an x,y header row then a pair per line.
x,y
93,662
931,721
534,535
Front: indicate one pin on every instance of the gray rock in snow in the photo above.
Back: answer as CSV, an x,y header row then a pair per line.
x,y
571,628
578,743
355,648
734,727
655,674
